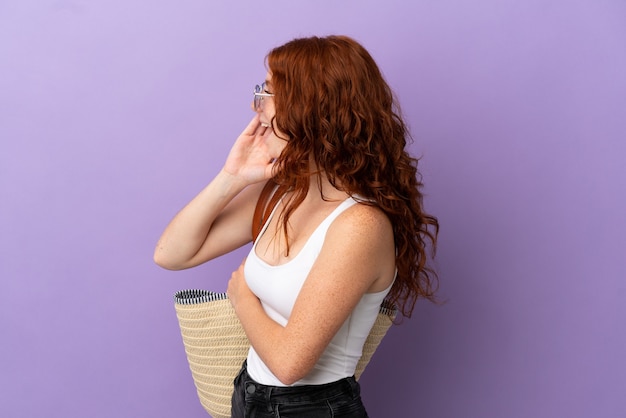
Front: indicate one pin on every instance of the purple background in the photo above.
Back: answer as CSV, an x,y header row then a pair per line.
x,y
114,113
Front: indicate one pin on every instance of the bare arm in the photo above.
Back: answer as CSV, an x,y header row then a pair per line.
x,y
358,256
219,218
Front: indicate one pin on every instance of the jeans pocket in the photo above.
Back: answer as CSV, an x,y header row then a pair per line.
x,y
348,407
320,409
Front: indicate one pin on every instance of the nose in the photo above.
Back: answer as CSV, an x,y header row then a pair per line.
x,y
254,108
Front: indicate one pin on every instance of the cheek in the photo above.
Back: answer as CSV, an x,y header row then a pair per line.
x,y
276,145
268,109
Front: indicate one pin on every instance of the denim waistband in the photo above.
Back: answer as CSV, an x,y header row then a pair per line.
x,y
299,394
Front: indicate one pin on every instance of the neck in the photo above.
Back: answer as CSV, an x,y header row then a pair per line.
x,y
320,188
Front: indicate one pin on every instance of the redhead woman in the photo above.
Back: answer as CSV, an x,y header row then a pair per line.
x,y
321,183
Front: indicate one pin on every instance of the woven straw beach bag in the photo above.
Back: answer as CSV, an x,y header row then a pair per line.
x,y
217,346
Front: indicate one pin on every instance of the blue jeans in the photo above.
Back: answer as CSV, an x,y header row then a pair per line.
x,y
340,399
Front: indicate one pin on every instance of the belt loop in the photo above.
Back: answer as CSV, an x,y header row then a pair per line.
x,y
268,399
355,388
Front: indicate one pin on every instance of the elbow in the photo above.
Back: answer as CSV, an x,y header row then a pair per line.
x,y
159,261
291,361
165,262
289,372
288,378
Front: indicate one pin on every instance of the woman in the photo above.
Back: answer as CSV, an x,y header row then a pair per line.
x,y
321,182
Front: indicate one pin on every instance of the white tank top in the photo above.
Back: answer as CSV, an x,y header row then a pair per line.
x,y
278,287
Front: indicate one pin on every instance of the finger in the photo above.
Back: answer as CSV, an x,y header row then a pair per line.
x,y
267,131
257,132
261,131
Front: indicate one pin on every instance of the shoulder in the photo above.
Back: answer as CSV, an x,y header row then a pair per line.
x,y
364,215
362,221
362,238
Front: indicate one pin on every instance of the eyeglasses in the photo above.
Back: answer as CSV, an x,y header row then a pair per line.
x,y
259,95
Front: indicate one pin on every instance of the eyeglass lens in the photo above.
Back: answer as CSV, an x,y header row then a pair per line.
x,y
257,99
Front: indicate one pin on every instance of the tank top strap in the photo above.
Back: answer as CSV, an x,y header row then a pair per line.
x,y
349,202
322,227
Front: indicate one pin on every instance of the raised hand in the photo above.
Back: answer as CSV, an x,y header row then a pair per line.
x,y
252,157
219,218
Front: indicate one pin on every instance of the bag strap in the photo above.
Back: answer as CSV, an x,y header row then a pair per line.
x,y
268,199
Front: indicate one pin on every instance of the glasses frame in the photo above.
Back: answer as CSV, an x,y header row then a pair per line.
x,y
259,95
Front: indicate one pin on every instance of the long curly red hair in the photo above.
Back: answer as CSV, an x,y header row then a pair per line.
x,y
335,108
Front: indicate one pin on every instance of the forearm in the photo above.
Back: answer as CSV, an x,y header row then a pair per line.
x,y
275,344
189,229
